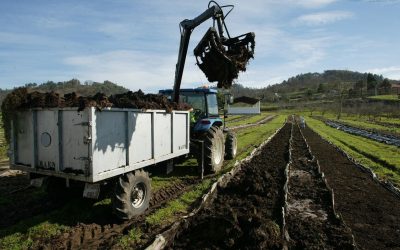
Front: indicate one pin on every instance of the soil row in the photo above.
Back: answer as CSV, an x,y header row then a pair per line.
x,y
310,218
370,210
247,213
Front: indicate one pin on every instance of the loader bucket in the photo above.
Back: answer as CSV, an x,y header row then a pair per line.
x,y
221,61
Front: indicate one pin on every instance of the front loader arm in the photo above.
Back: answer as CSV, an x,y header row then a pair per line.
x,y
187,27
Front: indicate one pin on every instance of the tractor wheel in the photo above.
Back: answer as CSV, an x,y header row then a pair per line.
x,y
214,150
132,194
230,146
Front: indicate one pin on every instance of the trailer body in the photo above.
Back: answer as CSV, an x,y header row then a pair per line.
x,y
93,145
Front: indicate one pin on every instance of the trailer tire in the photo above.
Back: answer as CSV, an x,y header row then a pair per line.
x,y
132,194
214,150
230,146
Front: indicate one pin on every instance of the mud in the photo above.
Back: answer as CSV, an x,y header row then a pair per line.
x,y
310,218
371,211
248,212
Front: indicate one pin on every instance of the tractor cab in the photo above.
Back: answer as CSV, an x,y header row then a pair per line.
x,y
205,107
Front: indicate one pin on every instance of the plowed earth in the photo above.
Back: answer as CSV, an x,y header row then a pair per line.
x,y
310,217
371,211
247,214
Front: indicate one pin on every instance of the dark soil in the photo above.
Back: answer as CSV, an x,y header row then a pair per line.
x,y
310,217
371,211
219,63
22,99
248,212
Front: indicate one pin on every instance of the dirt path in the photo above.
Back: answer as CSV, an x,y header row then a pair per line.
x,y
372,212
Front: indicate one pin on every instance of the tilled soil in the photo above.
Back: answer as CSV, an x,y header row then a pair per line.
x,y
310,219
248,212
371,211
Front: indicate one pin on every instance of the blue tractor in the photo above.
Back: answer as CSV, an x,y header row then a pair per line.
x,y
207,127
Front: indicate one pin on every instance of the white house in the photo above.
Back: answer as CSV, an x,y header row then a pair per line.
x,y
244,106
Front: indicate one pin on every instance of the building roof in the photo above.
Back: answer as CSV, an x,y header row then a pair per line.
x,y
246,99
395,85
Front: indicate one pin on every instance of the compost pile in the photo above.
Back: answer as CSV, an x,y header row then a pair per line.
x,y
221,64
23,99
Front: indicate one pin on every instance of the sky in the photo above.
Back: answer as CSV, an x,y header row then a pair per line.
x,y
135,42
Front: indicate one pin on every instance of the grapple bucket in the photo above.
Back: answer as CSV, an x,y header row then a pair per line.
x,y
220,60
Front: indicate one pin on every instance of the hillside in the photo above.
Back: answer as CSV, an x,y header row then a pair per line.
x,y
326,85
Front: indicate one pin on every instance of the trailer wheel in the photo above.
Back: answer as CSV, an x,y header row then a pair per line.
x,y
214,150
132,194
231,146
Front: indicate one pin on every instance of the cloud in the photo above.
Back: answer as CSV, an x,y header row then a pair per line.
x,y
323,18
314,3
134,69
392,72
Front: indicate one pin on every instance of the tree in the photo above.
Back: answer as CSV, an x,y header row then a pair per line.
x,y
321,88
358,86
371,83
385,86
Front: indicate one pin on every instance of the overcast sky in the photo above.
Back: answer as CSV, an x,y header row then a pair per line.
x,y
135,42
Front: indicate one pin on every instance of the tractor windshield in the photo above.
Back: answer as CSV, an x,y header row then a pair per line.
x,y
212,105
197,101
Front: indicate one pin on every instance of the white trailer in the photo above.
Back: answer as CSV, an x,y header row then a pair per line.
x,y
92,146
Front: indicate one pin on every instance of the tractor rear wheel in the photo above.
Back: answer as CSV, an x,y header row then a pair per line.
x,y
132,194
231,146
214,150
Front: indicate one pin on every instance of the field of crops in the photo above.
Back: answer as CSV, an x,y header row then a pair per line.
x,y
295,191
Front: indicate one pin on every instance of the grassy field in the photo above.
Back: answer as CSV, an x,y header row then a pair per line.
x,y
383,159
385,97
247,119
26,233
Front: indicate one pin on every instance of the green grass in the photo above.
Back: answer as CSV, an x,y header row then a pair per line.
x,y
133,236
385,97
166,215
383,159
249,120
